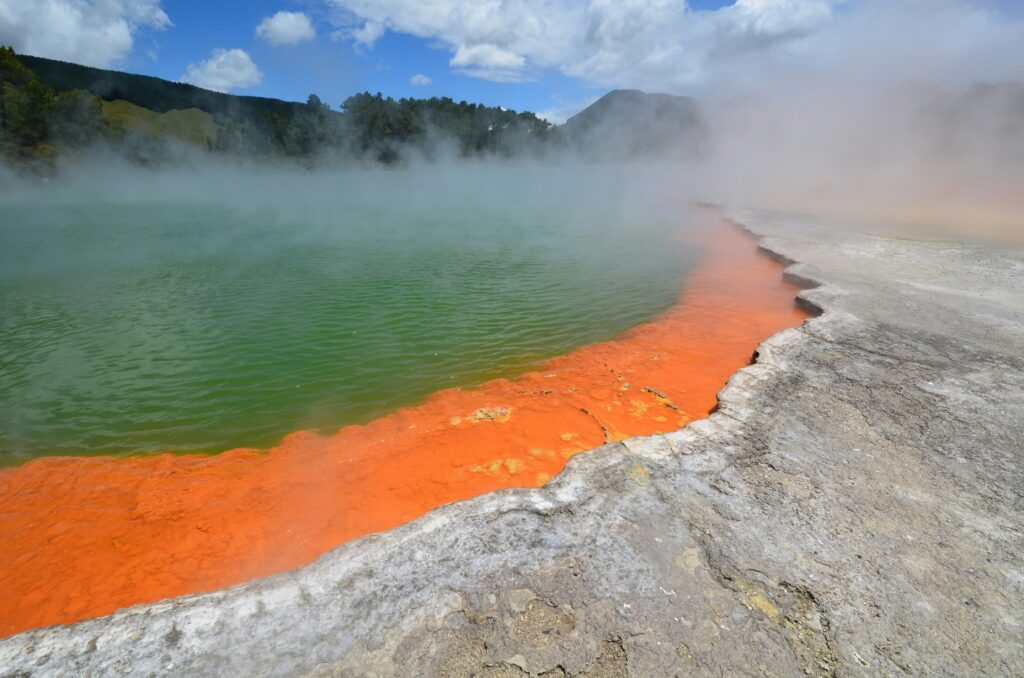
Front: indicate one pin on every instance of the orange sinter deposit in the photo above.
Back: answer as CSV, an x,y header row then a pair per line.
x,y
83,537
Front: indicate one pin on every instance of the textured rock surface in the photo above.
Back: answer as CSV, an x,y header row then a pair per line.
x,y
853,508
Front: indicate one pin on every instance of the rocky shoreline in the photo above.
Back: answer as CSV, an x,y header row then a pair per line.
x,y
854,507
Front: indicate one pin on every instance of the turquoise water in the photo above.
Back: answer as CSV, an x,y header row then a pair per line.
x,y
199,313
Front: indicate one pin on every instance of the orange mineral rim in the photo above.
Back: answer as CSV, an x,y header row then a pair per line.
x,y
84,537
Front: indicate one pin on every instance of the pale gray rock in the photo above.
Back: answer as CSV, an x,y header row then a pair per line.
x,y
853,508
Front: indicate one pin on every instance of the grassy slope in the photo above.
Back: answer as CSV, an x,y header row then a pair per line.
x,y
152,93
190,125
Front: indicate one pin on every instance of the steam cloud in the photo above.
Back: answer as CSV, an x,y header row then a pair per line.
x,y
908,111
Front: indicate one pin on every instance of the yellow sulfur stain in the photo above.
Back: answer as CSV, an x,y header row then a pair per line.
x,y
759,601
639,475
490,468
689,560
513,466
542,479
756,600
615,434
499,415
493,468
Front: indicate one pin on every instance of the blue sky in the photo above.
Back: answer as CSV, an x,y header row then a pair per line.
x,y
549,56
335,69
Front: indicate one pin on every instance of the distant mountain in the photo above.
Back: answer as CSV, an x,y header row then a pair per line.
x,y
630,124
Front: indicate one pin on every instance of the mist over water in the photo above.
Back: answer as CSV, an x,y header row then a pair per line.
x,y
202,310
204,306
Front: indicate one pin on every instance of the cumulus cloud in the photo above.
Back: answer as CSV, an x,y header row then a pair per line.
x,y
639,43
362,35
487,56
489,62
777,18
420,80
286,28
225,70
370,33
667,45
92,32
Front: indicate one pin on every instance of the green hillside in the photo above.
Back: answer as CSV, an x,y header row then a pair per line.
x,y
49,108
142,115
36,121
190,126
149,92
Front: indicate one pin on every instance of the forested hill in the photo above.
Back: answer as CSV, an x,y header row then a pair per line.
x,y
628,123
149,92
50,109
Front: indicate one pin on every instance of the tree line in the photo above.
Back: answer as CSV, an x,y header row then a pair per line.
x,y
48,107
386,130
35,120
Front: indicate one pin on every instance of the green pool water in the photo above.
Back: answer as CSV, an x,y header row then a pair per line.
x,y
198,312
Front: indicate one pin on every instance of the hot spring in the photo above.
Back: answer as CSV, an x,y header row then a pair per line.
x,y
196,317
356,348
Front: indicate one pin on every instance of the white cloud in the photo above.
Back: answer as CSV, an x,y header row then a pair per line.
x,y
225,70
666,45
487,56
490,63
420,80
364,35
368,34
499,74
92,32
286,28
778,17
640,43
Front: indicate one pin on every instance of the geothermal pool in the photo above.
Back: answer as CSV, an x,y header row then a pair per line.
x,y
443,345
142,325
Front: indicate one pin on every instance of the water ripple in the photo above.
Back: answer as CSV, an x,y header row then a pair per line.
x,y
129,328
